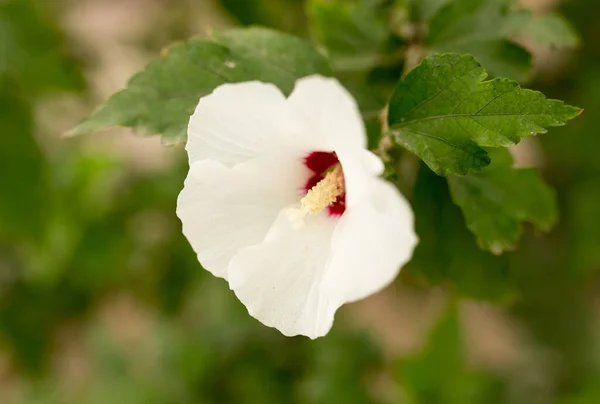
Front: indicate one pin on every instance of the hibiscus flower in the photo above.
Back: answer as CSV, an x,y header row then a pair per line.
x,y
284,202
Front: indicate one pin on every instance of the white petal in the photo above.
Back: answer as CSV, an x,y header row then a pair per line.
x,y
234,204
371,243
238,122
279,281
360,167
297,278
225,209
329,112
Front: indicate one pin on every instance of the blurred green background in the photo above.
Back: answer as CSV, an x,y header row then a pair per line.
x,y
103,301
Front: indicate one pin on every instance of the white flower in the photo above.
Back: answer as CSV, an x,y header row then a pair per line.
x,y
283,201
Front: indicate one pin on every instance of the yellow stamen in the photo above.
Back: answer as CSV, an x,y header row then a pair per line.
x,y
325,193
319,197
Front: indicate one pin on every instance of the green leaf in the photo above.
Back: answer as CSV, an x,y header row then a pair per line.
x,y
33,51
551,30
448,252
444,112
483,29
24,189
498,199
162,97
354,33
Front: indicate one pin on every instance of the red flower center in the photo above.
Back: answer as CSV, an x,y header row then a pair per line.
x,y
319,163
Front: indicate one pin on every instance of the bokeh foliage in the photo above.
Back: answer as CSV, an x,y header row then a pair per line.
x,y
81,230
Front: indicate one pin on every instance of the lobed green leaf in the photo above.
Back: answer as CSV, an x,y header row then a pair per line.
x,y
445,112
496,201
161,99
447,251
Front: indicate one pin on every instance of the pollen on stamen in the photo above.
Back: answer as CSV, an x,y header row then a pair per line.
x,y
325,193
